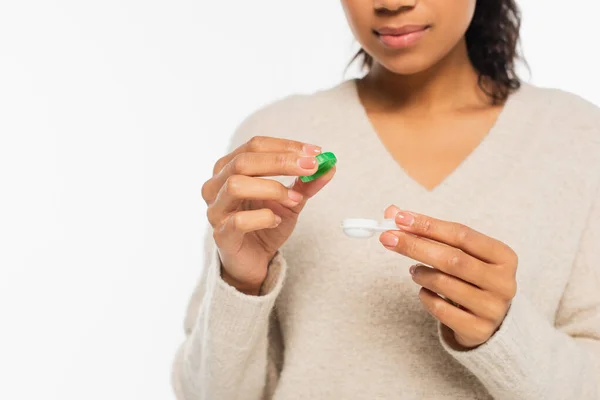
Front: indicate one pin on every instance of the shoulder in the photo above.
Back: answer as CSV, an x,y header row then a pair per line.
x,y
294,115
567,124
568,112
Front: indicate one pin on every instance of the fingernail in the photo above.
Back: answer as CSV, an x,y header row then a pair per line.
x,y
311,149
295,196
412,269
307,162
277,220
405,219
388,240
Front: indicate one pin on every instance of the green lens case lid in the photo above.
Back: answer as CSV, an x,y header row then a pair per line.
x,y
325,161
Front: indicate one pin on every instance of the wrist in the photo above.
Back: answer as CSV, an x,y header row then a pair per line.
x,y
245,288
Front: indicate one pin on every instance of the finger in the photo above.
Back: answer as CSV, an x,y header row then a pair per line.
x,y
238,188
444,258
306,189
230,234
475,300
266,144
471,329
456,235
391,212
260,164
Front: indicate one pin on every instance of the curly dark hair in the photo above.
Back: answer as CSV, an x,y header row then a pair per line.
x,y
492,40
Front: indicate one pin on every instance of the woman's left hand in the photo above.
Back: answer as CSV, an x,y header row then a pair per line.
x,y
475,272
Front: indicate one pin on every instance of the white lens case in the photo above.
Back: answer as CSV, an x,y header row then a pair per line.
x,y
362,228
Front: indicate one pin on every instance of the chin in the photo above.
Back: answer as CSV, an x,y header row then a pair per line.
x,y
408,64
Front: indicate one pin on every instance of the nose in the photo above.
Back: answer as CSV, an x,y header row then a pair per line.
x,y
394,5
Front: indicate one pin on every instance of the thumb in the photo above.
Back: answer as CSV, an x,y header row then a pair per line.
x,y
309,189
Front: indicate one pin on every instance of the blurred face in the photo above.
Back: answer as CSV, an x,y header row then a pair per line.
x,y
409,36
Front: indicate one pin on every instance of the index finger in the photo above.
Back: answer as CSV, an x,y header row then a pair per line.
x,y
457,235
267,144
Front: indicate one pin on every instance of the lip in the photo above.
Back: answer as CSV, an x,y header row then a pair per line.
x,y
401,37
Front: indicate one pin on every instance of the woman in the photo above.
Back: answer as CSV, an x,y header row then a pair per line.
x,y
489,286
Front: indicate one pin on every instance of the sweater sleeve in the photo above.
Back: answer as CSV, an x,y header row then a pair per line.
x,y
530,357
232,348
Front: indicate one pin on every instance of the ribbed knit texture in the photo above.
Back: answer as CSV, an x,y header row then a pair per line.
x,y
339,318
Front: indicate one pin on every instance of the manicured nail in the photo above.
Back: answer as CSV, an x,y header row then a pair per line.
x,y
295,196
405,219
388,240
307,162
412,269
311,149
277,220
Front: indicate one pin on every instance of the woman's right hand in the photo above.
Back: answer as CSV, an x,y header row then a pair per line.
x,y
252,217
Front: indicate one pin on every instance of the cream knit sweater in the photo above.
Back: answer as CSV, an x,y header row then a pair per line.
x,y
340,318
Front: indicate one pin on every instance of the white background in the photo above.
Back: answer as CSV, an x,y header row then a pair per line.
x,y
111,116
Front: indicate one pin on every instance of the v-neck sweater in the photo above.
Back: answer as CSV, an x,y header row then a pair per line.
x,y
340,318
